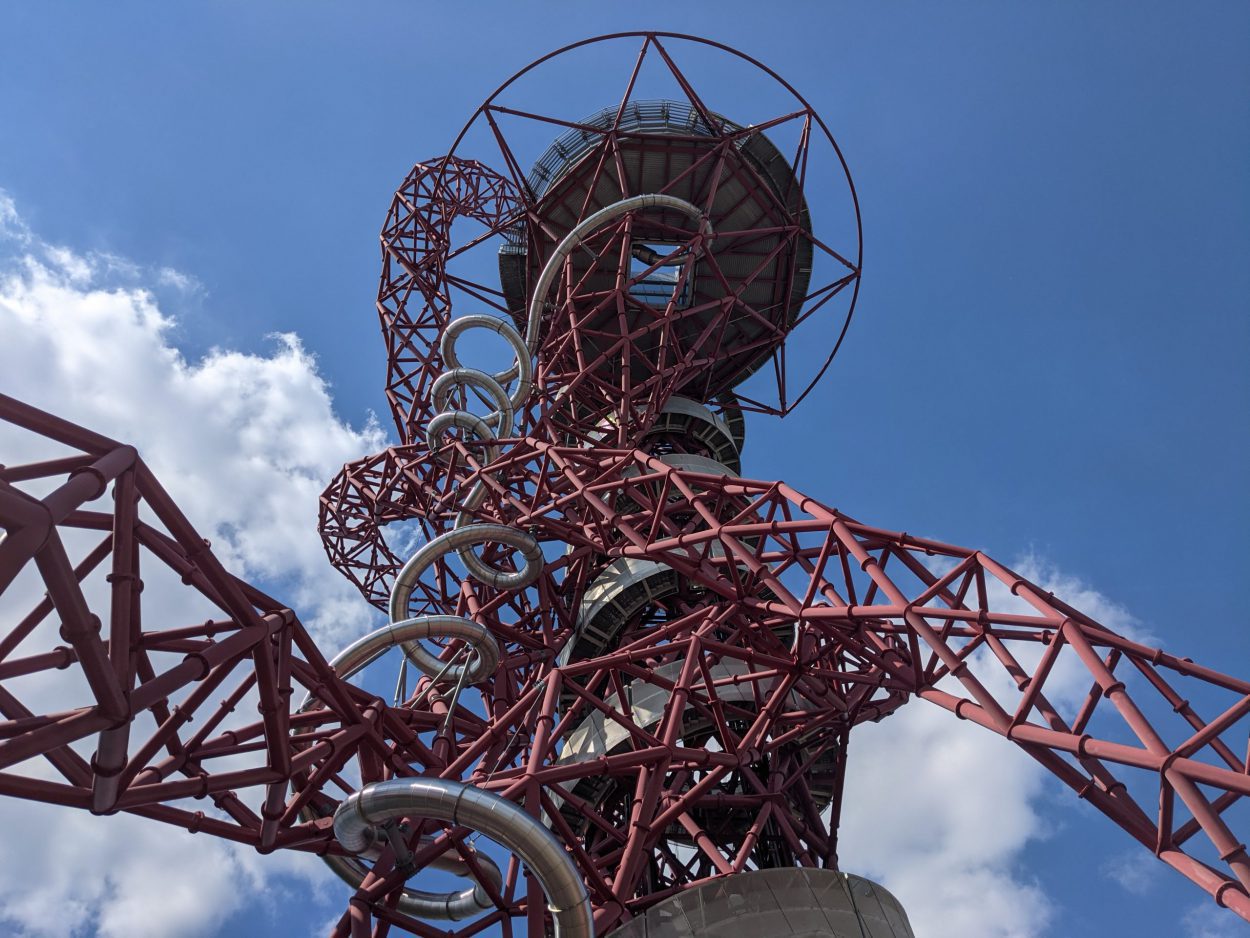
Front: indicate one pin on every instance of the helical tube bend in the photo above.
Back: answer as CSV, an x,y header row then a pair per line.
x,y
523,369
462,539
499,422
408,633
356,820
579,234
358,655
466,903
445,799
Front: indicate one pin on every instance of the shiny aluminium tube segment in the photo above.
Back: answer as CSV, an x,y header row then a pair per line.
x,y
454,802
579,233
462,539
356,656
524,366
408,633
434,905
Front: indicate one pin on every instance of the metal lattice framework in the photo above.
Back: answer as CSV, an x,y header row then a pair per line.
x,y
137,679
679,674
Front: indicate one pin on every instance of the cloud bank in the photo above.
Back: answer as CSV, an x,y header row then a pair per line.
x,y
244,442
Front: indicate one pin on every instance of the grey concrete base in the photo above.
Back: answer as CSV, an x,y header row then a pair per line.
x,y
786,903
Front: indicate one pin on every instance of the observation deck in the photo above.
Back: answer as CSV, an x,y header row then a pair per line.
x,y
746,287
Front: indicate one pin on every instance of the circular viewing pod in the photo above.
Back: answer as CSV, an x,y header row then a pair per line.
x,y
682,425
599,735
624,589
688,462
689,420
668,147
792,902
618,597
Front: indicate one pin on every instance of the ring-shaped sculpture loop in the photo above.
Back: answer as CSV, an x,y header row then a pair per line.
x,y
451,905
531,554
501,419
440,423
522,369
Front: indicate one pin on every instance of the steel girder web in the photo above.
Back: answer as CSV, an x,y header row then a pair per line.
x,y
1152,740
365,496
679,683
791,624
414,294
1118,721
110,688
414,307
735,771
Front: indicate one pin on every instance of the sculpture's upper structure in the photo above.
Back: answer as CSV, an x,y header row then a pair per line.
x,y
632,668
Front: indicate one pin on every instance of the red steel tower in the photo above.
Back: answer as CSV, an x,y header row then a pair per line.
x,y
635,670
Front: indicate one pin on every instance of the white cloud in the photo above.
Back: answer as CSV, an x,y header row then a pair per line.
x,y
127,877
12,227
937,810
178,280
245,443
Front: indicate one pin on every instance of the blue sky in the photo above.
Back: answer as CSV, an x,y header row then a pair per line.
x,y
1049,354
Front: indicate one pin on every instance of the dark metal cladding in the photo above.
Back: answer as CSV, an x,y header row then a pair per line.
x,y
779,903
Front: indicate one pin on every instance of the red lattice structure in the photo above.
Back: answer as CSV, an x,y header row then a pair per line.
x,y
134,725
682,653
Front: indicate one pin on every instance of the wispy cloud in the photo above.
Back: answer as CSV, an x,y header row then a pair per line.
x,y
1207,920
179,280
12,226
1137,872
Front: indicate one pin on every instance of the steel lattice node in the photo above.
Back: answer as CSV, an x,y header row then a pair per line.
x,y
628,673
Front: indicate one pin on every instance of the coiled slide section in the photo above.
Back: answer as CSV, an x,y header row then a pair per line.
x,y
365,820
483,651
356,820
